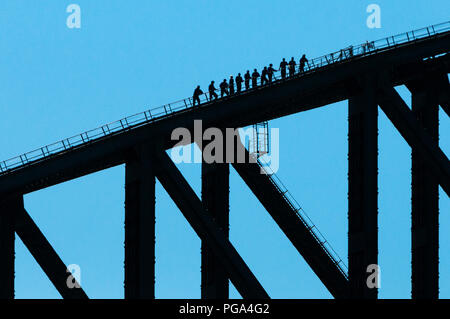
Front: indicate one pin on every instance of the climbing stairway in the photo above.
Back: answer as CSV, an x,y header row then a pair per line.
x,y
296,225
303,217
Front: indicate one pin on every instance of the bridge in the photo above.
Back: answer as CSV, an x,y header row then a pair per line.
x,y
366,75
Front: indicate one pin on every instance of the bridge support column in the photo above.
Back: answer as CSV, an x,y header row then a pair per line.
x,y
425,201
140,226
215,198
7,238
362,192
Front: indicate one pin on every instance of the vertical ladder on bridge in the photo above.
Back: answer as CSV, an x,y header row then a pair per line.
x,y
259,144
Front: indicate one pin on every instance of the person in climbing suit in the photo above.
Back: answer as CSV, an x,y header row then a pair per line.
x,y
270,72
247,78
283,65
196,95
231,85
303,62
292,65
212,91
255,76
239,81
223,88
264,74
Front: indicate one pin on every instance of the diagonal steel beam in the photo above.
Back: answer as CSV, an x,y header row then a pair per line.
x,y
409,127
444,96
45,255
190,205
293,227
446,107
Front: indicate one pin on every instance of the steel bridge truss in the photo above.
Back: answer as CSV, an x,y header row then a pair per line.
x,y
367,83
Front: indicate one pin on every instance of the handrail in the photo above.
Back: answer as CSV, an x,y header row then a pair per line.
x,y
156,114
304,218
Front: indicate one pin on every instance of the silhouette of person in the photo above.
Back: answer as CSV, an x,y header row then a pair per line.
x,y
303,62
292,65
196,95
283,65
212,92
247,78
350,51
264,76
270,72
367,46
223,88
239,81
255,76
231,85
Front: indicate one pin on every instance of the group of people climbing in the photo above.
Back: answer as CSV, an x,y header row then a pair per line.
x,y
267,75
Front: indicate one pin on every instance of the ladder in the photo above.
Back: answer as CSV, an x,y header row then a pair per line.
x,y
259,144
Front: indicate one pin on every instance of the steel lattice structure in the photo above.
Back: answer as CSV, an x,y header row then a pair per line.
x,y
365,75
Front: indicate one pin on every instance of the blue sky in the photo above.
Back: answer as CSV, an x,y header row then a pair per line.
x,y
129,56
